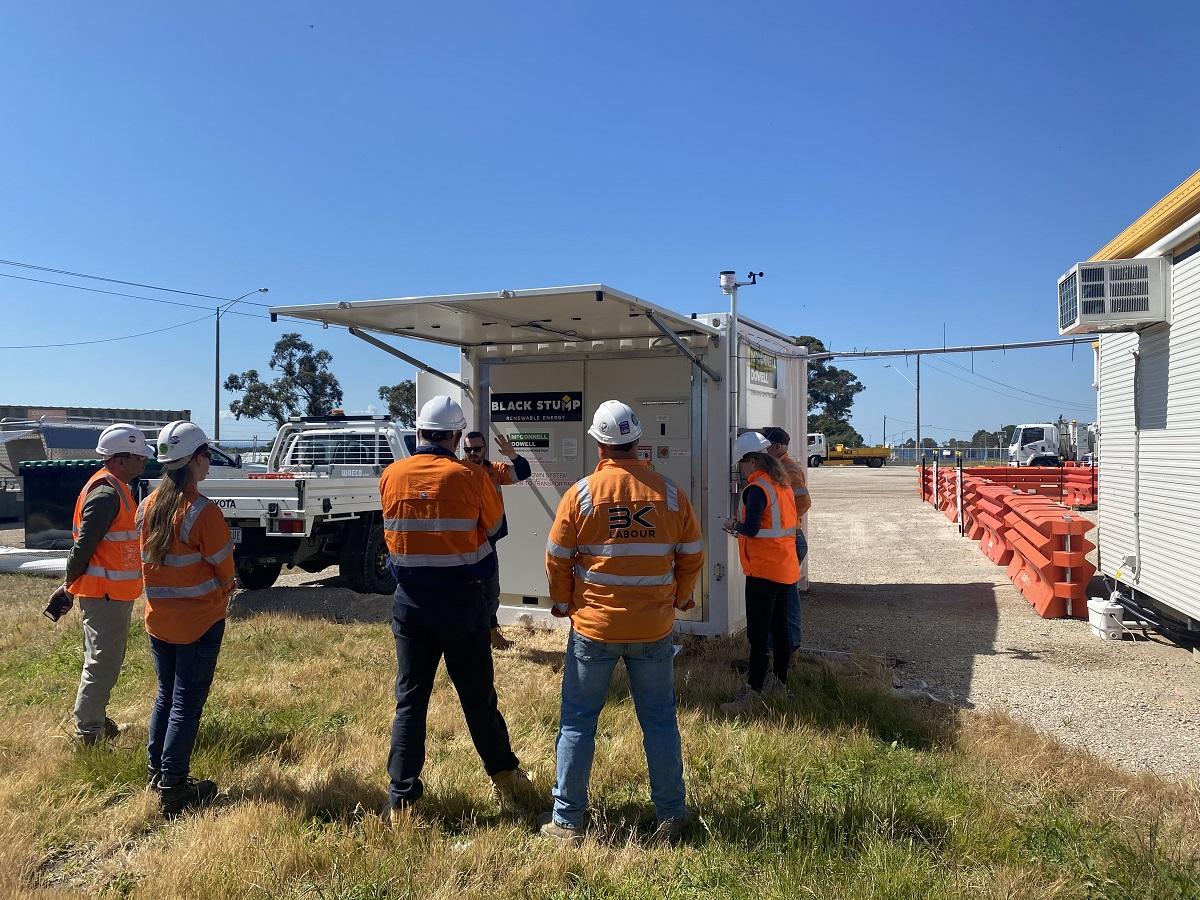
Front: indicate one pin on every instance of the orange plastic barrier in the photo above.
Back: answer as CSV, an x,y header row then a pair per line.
x,y
1049,564
990,509
1080,485
1019,519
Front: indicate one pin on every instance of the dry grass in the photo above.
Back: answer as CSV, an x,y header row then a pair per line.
x,y
843,792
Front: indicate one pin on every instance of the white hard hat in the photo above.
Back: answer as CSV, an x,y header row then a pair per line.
x,y
615,423
121,438
441,414
750,442
177,441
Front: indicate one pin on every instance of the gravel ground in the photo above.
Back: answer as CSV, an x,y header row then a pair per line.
x,y
890,576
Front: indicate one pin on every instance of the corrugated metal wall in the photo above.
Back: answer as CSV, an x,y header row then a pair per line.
x,y
1168,467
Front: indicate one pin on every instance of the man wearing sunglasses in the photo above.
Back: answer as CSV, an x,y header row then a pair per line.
x,y
516,469
104,572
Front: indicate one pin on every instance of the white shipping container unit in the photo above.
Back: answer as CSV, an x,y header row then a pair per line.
x,y
1149,447
534,366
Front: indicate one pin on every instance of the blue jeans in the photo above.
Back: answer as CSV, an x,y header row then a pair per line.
x,y
587,672
185,673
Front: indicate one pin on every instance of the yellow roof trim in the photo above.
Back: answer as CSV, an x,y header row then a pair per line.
x,y
1155,223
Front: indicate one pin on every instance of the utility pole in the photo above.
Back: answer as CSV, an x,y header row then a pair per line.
x,y
885,429
216,436
918,392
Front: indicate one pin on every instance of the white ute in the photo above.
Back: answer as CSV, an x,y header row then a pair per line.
x,y
317,504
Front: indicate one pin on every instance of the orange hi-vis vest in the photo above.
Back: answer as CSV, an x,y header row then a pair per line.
x,y
624,551
771,554
799,481
188,592
115,569
438,513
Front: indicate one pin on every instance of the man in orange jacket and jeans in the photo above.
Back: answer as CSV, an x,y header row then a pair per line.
x,y
624,553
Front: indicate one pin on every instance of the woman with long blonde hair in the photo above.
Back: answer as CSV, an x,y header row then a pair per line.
x,y
766,533
188,566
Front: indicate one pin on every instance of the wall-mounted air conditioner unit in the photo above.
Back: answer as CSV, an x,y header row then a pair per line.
x,y
1115,295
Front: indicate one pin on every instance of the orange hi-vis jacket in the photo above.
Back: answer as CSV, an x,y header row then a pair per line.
x,y
438,513
115,569
624,551
188,592
799,482
771,554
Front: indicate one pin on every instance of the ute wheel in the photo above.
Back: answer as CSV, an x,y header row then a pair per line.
x,y
814,462
874,462
259,577
1045,461
364,562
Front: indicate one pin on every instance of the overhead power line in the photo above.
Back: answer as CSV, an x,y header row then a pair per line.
x,y
80,287
213,309
1011,387
983,387
150,287
124,337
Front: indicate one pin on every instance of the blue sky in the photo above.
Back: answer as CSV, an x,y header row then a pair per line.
x,y
895,170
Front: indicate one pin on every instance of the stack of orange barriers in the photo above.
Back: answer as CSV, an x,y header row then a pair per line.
x,y
1013,516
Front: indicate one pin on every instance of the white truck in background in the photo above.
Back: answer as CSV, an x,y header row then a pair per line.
x,y
1051,444
317,504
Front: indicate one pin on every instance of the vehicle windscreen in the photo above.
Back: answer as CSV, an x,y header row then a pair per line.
x,y
1029,435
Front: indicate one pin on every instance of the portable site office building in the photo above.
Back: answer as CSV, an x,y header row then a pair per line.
x,y
1149,423
536,363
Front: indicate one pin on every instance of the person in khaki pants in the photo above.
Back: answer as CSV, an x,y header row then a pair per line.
x,y
104,573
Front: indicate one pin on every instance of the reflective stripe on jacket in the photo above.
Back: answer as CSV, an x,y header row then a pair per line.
x,y
188,592
115,569
771,554
438,514
799,482
624,550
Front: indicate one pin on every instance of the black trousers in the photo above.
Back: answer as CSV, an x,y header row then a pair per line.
x,y
451,620
766,615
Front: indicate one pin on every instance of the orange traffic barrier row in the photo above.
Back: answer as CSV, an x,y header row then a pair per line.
x,y
1071,484
1042,544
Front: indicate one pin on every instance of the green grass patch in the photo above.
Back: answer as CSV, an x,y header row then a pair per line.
x,y
842,791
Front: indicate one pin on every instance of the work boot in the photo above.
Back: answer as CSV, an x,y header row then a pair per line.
x,y
774,689
746,700
671,830
547,827
109,731
513,789
499,641
188,794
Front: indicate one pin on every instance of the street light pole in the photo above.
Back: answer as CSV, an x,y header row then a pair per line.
x,y
217,363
